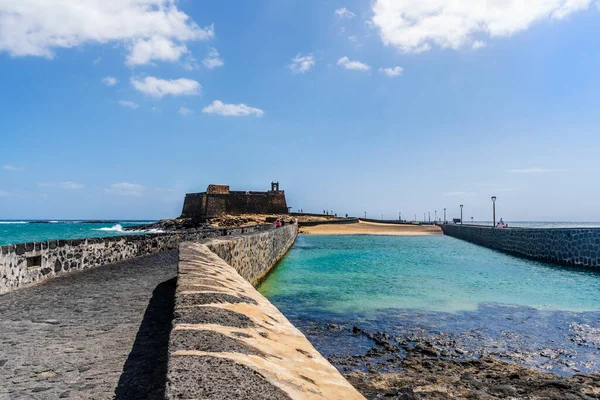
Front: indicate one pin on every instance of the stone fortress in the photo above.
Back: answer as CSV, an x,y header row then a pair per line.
x,y
218,200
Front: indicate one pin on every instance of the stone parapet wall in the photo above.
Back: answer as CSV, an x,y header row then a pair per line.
x,y
253,256
27,263
335,221
228,341
566,246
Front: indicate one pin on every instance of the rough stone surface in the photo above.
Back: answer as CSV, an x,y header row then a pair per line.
x,y
566,246
249,350
218,378
253,256
101,333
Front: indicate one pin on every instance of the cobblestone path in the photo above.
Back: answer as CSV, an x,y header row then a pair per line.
x,y
96,334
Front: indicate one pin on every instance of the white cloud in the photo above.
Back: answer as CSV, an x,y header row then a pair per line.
x,y
302,64
392,72
63,185
109,81
232,110
478,44
149,29
535,170
355,65
129,104
126,189
344,13
459,194
9,167
415,26
143,51
213,59
156,87
185,111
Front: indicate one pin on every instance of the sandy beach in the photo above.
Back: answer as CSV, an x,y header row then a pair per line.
x,y
370,228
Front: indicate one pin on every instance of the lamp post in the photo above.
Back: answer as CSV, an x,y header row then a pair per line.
x,y
494,206
424,217
471,220
445,215
365,215
461,208
435,218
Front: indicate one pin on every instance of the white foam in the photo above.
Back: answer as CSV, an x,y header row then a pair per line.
x,y
13,222
115,228
119,228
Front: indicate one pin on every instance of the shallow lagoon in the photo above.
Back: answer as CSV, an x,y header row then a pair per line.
x,y
456,294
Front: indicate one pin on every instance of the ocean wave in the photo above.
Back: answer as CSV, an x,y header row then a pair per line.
x,y
13,222
115,228
119,228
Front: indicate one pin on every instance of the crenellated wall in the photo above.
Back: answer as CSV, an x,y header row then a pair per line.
x,y
28,263
566,246
228,341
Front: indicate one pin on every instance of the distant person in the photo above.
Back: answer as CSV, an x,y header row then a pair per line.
x,y
500,224
282,222
346,215
277,224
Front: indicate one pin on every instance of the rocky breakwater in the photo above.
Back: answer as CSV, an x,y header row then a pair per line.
x,y
228,341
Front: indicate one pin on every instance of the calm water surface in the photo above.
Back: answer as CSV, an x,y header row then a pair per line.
x,y
439,287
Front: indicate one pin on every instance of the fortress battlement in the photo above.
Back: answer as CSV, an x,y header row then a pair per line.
x,y
219,200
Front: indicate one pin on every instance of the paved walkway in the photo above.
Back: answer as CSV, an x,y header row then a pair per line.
x,y
96,334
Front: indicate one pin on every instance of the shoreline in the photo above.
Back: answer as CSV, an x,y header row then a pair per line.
x,y
372,228
421,367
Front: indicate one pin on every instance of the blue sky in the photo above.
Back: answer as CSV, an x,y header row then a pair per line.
x,y
116,109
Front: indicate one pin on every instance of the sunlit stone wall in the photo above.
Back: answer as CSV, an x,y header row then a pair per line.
x,y
566,246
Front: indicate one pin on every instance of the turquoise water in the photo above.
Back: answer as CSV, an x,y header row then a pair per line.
x,y
436,273
342,291
23,231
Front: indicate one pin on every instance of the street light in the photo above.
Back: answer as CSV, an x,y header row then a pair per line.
x,y
365,215
445,215
435,218
461,207
494,203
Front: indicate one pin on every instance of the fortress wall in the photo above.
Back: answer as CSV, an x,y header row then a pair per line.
x,y
228,341
29,263
194,205
566,246
217,202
